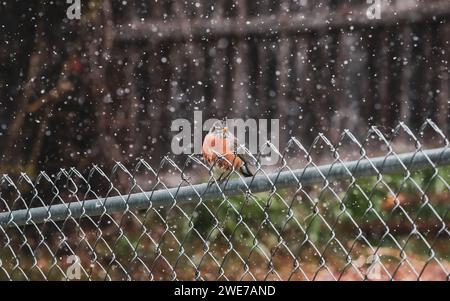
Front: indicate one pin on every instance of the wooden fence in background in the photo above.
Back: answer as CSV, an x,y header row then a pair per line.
x,y
315,65
321,66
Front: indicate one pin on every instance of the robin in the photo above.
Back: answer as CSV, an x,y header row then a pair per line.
x,y
219,150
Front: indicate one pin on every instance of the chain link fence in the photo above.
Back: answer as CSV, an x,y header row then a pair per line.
x,y
369,208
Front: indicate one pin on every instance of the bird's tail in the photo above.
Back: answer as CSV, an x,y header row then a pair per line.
x,y
245,171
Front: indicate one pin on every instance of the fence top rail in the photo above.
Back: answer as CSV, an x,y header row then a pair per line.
x,y
364,167
181,29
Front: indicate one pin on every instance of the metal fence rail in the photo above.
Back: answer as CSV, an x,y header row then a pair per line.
x,y
372,217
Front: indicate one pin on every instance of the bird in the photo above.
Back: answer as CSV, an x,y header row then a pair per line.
x,y
219,151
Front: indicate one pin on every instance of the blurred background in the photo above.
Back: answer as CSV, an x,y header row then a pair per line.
x,y
106,87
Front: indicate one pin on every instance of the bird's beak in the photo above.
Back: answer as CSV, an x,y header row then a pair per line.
x,y
225,129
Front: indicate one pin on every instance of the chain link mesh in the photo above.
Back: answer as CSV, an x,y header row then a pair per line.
x,y
374,208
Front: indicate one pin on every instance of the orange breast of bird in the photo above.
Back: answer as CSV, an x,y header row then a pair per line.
x,y
213,145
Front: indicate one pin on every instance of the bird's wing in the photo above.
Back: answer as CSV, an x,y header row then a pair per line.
x,y
238,148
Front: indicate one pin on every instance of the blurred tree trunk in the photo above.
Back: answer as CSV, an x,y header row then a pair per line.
x,y
13,154
406,57
240,68
303,88
443,101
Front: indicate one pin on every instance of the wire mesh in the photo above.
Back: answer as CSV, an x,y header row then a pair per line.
x,y
373,208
